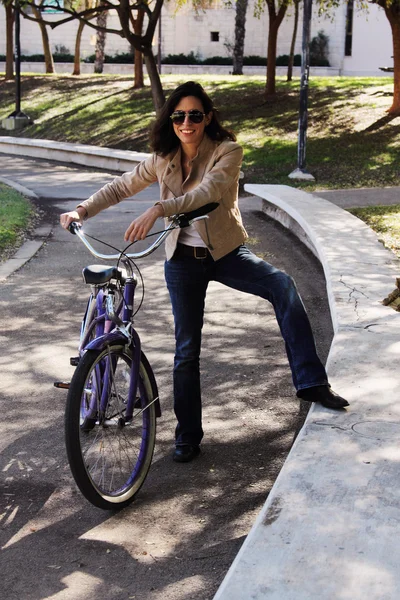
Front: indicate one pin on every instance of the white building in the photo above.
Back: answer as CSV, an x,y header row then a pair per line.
x,y
361,50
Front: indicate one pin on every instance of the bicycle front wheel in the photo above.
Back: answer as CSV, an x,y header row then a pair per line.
x,y
108,455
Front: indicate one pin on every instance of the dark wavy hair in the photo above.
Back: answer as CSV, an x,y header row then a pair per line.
x,y
163,138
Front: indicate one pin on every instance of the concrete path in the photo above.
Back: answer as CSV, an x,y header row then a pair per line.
x,y
52,180
361,196
178,539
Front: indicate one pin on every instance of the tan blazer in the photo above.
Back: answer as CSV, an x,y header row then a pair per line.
x,y
214,178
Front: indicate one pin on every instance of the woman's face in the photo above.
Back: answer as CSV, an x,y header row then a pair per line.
x,y
188,132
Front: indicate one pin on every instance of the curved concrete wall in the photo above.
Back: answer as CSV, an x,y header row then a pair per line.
x,y
328,527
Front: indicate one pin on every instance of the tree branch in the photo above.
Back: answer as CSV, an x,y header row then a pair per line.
x,y
83,16
142,6
153,20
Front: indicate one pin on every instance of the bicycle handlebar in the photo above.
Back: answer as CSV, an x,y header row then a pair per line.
x,y
177,221
186,219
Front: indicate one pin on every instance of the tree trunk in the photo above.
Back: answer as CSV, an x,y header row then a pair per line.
x,y
155,81
293,43
138,63
393,15
101,21
48,57
240,31
9,42
270,88
275,19
77,55
143,44
138,27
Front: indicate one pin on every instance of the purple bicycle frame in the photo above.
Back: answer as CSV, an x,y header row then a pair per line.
x,y
115,336
100,323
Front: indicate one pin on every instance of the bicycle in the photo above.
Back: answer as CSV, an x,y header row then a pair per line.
x,y
113,402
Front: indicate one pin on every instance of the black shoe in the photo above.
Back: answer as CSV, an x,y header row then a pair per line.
x,y
324,395
185,453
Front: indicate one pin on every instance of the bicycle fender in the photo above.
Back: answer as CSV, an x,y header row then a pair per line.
x,y
114,337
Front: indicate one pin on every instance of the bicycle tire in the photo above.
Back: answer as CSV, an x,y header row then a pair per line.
x,y
110,459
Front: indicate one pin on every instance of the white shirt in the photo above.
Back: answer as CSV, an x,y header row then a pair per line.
x,y
191,237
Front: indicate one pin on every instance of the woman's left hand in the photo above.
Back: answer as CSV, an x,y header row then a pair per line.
x,y
141,226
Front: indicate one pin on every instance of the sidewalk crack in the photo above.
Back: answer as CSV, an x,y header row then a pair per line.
x,y
352,295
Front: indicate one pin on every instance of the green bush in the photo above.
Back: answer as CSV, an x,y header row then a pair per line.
x,y
255,61
217,60
40,57
316,58
32,57
63,57
191,59
181,59
322,62
123,58
283,60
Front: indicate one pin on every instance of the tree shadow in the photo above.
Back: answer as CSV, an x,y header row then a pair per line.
x,y
383,94
113,555
380,123
352,159
78,123
78,109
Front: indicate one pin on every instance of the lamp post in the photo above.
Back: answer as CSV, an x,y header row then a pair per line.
x,y
17,119
301,171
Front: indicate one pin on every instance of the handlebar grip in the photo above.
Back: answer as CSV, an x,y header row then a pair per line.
x,y
73,227
200,212
185,219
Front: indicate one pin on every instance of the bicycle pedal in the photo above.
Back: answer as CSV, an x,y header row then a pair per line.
x,y
73,361
63,385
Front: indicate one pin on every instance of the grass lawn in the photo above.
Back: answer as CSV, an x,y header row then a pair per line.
x,y
385,220
351,142
16,214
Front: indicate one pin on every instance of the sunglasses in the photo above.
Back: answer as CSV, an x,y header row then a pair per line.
x,y
195,116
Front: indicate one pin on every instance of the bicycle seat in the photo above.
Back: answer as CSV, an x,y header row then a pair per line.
x,y
98,274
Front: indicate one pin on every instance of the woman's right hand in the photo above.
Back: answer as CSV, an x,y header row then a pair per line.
x,y
74,215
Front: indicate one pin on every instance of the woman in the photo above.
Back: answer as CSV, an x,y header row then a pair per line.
x,y
197,161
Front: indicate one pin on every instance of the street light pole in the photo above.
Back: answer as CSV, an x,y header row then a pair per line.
x,y
17,60
17,119
301,171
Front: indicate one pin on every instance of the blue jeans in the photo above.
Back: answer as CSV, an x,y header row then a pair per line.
x,y
187,280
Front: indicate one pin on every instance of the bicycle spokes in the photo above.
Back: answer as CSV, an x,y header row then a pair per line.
x,y
115,453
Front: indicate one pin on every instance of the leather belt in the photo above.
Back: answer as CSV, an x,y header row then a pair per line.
x,y
198,252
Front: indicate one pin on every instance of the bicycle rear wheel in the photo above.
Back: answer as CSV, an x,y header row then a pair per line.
x,y
109,457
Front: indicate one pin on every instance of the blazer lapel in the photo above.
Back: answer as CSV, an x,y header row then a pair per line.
x,y
200,164
172,178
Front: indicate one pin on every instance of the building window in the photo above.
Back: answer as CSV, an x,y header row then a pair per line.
x,y
215,36
349,28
